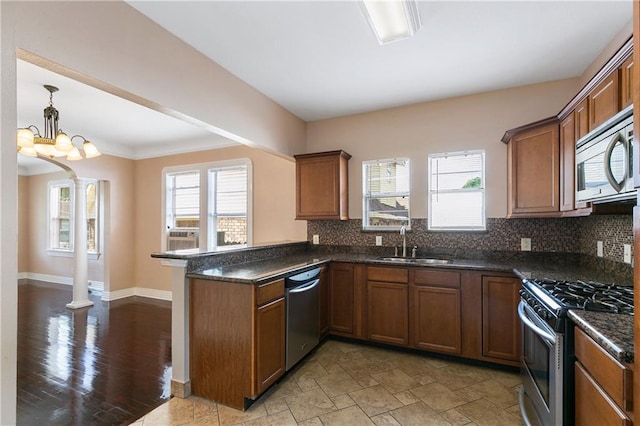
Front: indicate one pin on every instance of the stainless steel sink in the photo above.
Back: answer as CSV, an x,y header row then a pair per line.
x,y
418,260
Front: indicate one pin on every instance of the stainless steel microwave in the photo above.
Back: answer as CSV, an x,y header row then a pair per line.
x,y
604,159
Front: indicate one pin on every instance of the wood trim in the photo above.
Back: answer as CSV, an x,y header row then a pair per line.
x,y
509,134
339,152
611,66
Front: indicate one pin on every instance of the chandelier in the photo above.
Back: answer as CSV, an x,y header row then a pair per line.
x,y
54,142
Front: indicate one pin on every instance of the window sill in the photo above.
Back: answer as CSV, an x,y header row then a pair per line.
x,y
67,253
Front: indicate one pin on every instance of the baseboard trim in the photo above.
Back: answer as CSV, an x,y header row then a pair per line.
x,y
108,296
99,286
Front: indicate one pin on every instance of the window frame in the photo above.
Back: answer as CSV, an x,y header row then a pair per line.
x,y
482,190
205,242
366,196
61,252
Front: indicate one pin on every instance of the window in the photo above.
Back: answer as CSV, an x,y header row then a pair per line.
x,y
456,191
207,205
61,202
386,186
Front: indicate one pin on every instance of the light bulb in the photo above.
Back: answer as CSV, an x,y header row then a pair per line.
x,y
63,143
25,138
90,150
74,155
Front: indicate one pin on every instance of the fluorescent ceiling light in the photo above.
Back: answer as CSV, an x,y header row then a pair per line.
x,y
392,20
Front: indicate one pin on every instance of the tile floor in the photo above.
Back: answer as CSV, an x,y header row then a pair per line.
x,y
351,384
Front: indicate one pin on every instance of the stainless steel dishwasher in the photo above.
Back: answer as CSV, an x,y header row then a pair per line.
x,y
303,314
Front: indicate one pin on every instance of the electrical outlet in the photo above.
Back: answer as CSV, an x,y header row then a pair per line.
x,y
525,244
600,249
316,239
627,253
378,240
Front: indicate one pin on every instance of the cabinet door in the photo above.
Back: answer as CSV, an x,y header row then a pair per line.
x,y
534,170
322,186
500,322
436,319
270,343
593,405
626,83
568,162
603,101
324,302
582,118
342,299
388,314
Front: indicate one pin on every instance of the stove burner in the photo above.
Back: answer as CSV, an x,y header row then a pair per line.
x,y
590,296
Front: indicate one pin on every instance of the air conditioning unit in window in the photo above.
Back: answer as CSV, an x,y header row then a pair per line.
x,y
183,239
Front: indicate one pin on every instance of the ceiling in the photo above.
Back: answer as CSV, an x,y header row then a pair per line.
x,y
319,59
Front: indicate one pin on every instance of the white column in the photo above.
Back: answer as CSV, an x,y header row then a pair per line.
x,y
180,377
80,280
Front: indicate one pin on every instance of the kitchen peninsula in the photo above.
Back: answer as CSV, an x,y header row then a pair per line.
x,y
480,293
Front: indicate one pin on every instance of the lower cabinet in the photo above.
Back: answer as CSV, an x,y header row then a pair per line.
x,y
237,339
347,292
604,386
270,343
436,311
387,305
500,321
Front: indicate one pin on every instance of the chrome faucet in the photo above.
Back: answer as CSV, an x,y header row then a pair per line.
x,y
403,232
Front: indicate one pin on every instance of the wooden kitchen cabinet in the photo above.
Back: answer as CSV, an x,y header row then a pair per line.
x,y
322,186
582,118
237,339
324,301
533,170
436,310
604,101
626,83
604,386
347,292
388,305
500,321
567,162
270,343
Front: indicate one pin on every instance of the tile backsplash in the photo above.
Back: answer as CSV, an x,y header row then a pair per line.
x,y
567,235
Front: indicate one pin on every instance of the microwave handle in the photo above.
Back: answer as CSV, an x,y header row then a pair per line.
x,y
607,160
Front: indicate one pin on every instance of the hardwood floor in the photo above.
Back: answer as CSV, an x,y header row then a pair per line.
x,y
107,364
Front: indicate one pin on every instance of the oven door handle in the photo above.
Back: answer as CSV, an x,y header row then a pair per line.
x,y
548,337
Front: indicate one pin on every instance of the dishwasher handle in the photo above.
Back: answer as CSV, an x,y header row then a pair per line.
x,y
305,287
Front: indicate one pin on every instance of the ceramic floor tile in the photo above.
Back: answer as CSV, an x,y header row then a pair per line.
x,y
284,418
347,416
362,367
337,384
455,377
497,393
395,380
379,354
343,401
484,413
455,417
375,400
175,411
418,414
406,397
231,416
306,405
411,365
202,421
438,396
284,389
315,421
366,381
203,408
384,419
275,405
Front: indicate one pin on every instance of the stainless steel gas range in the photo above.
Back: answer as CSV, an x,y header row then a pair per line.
x,y
547,394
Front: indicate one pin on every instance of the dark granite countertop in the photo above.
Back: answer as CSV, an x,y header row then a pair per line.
x,y
194,253
260,271
614,332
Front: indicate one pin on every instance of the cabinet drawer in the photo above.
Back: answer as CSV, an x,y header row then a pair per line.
x,y
270,291
613,377
389,275
593,405
437,278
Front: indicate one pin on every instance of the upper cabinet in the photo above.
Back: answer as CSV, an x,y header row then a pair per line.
x,y
603,100
541,155
322,186
533,170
